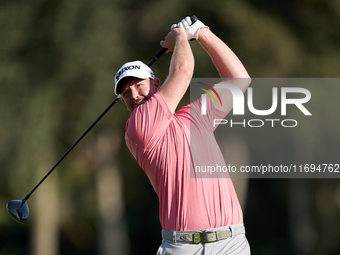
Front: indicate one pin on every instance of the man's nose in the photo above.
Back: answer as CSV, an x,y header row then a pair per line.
x,y
134,93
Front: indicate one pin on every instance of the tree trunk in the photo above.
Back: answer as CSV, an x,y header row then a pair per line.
x,y
45,200
46,218
112,233
236,153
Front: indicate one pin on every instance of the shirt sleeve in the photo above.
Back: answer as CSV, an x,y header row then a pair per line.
x,y
148,122
208,119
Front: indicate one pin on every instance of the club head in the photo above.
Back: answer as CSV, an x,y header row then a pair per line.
x,y
19,210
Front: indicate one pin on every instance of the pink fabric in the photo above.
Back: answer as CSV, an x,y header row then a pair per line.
x,y
160,142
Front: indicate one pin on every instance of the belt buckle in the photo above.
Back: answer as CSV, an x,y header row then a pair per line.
x,y
197,238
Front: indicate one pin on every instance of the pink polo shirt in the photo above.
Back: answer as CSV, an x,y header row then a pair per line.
x,y
160,142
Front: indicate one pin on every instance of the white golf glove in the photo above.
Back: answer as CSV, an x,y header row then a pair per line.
x,y
191,29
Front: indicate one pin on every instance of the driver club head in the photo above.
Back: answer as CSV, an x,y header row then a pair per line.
x,y
19,210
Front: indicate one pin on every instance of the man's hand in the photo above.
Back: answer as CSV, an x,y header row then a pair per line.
x,y
192,29
170,40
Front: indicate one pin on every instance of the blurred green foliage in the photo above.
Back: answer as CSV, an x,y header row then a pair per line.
x,y
57,65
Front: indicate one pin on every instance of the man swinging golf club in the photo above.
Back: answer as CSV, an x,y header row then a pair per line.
x,y
197,215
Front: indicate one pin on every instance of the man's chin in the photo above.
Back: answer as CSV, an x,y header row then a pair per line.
x,y
138,104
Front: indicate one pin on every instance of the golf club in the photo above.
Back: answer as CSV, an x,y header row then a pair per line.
x,y
19,208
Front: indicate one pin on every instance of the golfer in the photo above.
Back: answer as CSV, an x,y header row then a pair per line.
x,y
198,215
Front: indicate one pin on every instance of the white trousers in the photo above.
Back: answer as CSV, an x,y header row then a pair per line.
x,y
234,245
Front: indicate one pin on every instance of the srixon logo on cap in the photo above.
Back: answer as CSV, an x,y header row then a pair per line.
x,y
126,68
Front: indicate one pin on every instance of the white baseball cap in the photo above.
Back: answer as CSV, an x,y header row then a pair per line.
x,y
132,69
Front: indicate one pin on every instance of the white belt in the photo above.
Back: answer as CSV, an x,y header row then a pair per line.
x,y
203,236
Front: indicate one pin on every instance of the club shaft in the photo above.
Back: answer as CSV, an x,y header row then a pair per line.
x,y
155,58
74,145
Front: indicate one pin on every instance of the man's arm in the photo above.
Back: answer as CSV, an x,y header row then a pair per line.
x,y
181,67
228,65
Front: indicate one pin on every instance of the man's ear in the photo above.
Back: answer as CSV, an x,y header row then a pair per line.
x,y
156,83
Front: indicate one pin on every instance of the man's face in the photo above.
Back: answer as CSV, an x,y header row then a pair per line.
x,y
136,91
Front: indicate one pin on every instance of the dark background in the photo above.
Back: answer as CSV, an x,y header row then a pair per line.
x,y
57,65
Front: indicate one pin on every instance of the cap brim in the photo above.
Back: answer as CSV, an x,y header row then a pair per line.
x,y
124,79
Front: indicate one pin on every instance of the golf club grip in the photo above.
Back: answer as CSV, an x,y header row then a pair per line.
x,y
163,50
193,19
